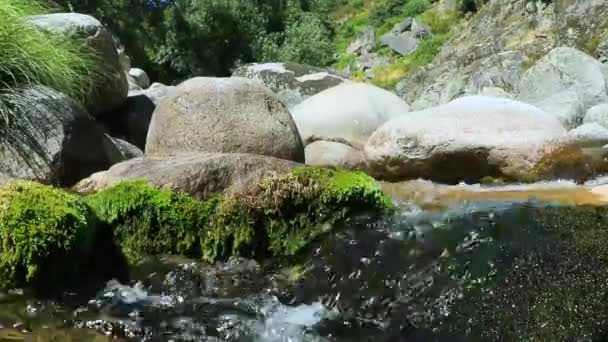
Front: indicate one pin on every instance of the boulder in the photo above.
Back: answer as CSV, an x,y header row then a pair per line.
x,y
200,175
566,82
351,112
54,140
140,77
471,138
110,92
589,135
364,43
597,114
133,121
329,153
293,83
227,115
405,36
126,149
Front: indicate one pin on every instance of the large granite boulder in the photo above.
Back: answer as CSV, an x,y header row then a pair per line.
x,y
566,82
471,138
110,92
331,153
200,175
350,111
54,140
224,115
292,82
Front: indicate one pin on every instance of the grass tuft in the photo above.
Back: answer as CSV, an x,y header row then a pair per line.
x,y
30,56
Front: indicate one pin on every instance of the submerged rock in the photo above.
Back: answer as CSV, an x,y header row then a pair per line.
x,y
223,115
351,112
292,82
471,138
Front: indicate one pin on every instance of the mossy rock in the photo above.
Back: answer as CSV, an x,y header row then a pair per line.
x,y
147,220
278,217
44,232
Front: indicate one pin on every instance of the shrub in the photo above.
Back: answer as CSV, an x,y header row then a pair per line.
x,y
30,56
44,232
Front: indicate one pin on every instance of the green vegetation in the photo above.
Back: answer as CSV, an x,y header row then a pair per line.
x,y
278,218
440,23
146,219
29,56
43,233
46,234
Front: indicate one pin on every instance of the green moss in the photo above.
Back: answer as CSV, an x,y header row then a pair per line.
x,y
349,30
277,218
345,61
147,220
286,212
44,232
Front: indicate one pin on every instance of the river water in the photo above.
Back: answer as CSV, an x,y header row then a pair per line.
x,y
454,263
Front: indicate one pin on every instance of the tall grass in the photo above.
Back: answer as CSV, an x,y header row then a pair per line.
x,y
30,56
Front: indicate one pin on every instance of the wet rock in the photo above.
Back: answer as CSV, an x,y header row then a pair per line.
x,y
351,112
110,93
200,175
54,141
329,153
471,138
566,82
223,115
293,83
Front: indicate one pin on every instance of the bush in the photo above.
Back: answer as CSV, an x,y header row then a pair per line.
x,y
30,56
44,233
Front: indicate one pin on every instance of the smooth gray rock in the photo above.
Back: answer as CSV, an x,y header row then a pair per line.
x,y
589,135
223,115
126,149
351,112
471,138
405,36
110,93
140,77
597,114
200,175
54,140
293,83
569,76
329,153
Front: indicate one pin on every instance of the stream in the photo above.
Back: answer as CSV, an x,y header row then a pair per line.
x,y
454,263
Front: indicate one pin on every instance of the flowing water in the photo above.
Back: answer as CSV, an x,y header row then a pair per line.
x,y
455,263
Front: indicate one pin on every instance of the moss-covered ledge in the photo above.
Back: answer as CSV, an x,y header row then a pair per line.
x,y
45,233
276,218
